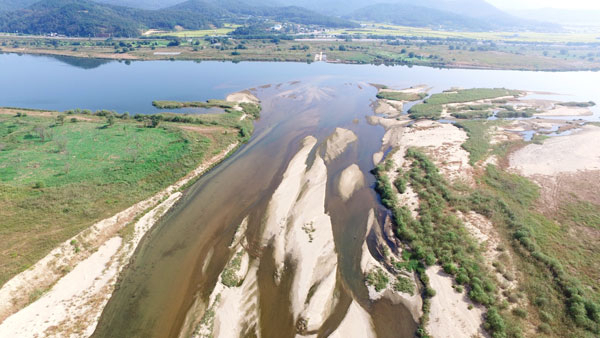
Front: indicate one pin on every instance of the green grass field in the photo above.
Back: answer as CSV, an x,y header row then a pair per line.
x,y
56,180
400,96
396,30
433,106
226,29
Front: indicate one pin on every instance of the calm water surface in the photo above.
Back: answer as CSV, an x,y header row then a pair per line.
x,y
65,83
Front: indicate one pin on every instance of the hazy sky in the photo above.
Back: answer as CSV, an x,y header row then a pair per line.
x,y
528,4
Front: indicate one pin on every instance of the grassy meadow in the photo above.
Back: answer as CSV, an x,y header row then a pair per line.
x,y
397,30
59,175
226,29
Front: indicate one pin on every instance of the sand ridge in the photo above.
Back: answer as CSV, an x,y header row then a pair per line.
x,y
351,180
337,143
298,227
356,323
242,97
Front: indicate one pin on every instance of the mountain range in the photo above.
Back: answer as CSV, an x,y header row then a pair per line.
x,y
131,17
87,18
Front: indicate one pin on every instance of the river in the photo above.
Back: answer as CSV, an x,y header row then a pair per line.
x,y
168,271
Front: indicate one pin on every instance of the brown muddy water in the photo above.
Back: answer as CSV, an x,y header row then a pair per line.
x,y
178,263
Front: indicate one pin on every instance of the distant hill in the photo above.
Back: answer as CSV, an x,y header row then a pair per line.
x,y
142,4
9,5
495,18
87,18
417,16
236,9
159,4
484,13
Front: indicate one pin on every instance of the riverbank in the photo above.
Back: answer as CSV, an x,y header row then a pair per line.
x,y
468,56
78,276
462,177
78,297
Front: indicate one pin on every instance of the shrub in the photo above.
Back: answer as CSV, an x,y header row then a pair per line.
x,y
378,279
425,111
403,284
400,184
545,328
429,292
522,313
495,323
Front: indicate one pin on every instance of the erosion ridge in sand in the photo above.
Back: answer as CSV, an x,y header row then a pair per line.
x,y
351,179
337,142
300,232
299,228
356,323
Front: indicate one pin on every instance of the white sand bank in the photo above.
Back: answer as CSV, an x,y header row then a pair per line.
x,y
351,179
356,323
558,110
572,153
74,304
449,314
242,97
337,143
299,228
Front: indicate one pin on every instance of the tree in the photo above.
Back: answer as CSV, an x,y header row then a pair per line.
x,y
153,121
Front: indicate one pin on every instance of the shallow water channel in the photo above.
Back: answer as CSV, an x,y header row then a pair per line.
x,y
158,289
